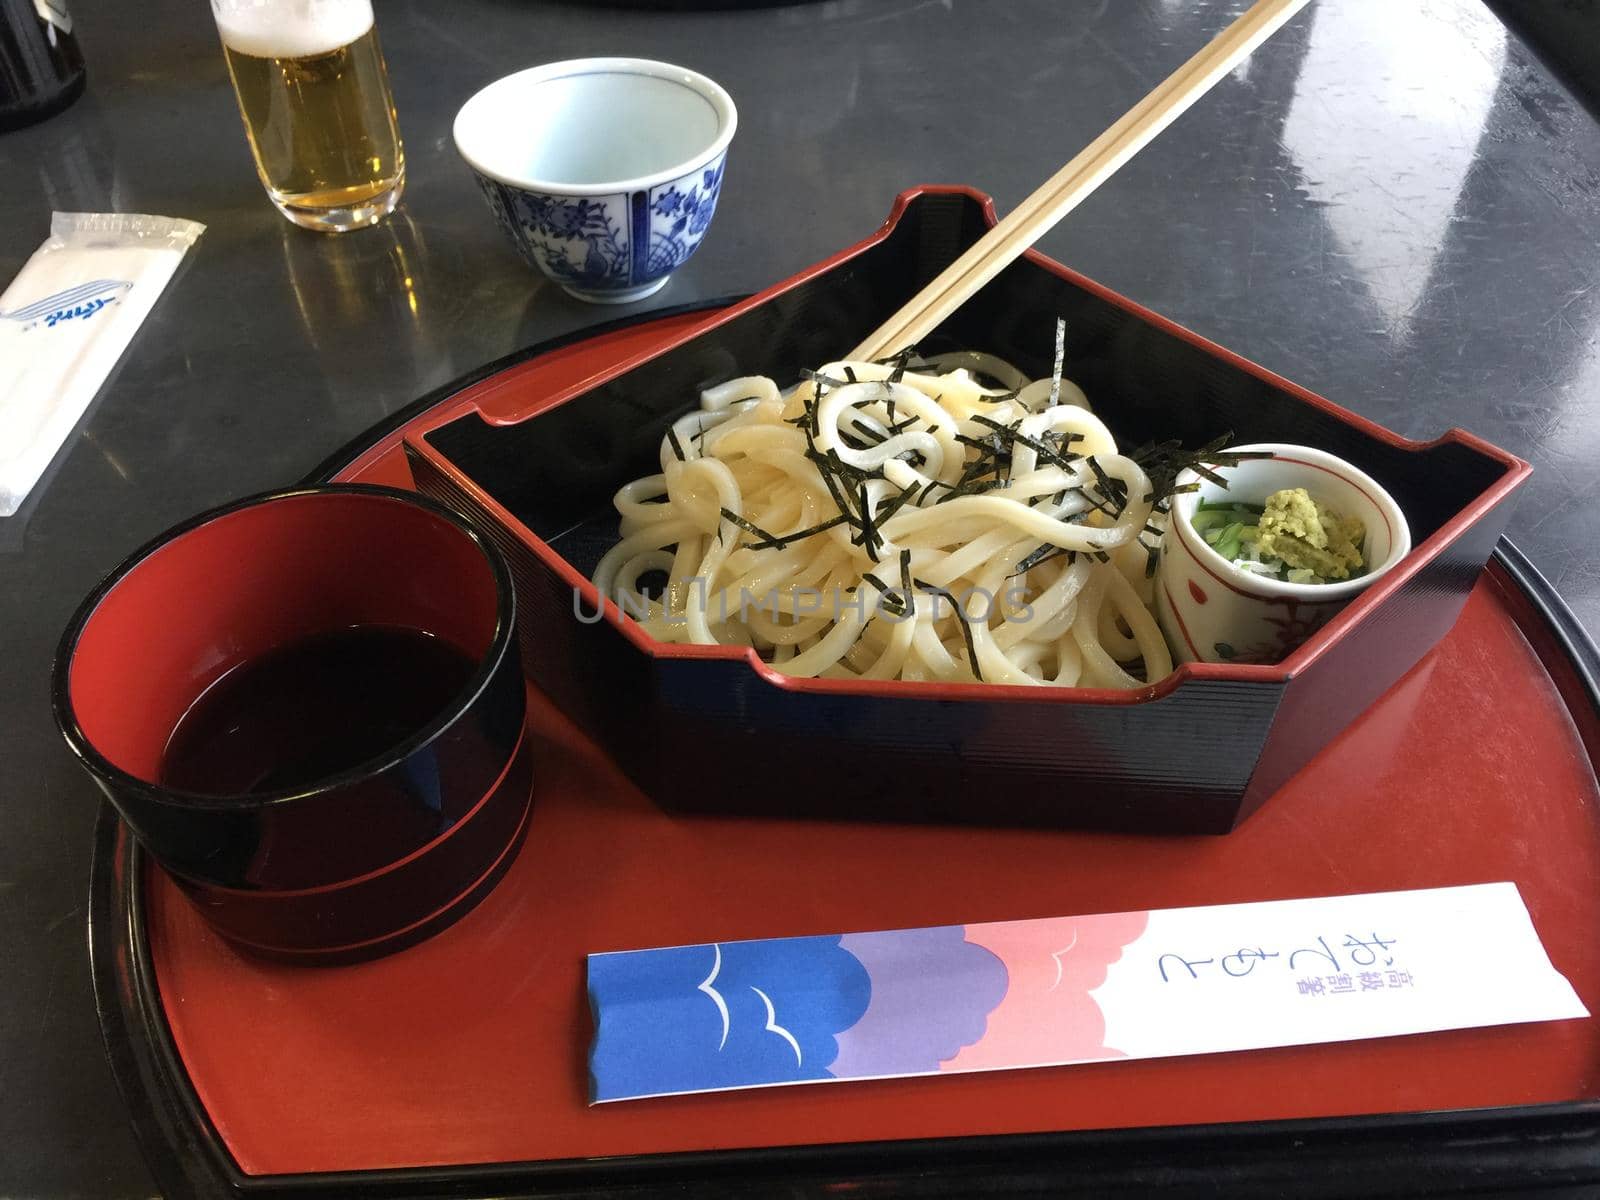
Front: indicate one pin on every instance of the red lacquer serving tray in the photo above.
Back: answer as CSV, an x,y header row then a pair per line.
x,y
459,1065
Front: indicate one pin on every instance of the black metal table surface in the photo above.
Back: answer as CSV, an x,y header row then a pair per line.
x,y
1392,204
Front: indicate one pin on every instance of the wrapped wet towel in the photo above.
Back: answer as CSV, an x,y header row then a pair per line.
x,y
65,321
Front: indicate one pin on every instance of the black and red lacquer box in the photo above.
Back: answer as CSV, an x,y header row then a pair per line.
x,y
714,729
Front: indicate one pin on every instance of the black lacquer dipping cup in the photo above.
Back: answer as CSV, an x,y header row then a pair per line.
x,y
309,708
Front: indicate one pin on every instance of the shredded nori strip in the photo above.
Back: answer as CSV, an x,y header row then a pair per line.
x,y
1047,453
975,487
898,359
975,470
1163,462
747,526
994,425
780,541
875,582
893,505
1043,554
961,619
1059,363
808,420
845,471
871,539
677,446
987,447
892,603
1114,491
1088,498
1041,448
877,439
823,466
819,379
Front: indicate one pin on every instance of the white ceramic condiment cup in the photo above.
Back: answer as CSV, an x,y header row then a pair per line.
x,y
604,171
1213,611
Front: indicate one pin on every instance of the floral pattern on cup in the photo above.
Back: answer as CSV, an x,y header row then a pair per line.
x,y
1213,611
681,219
1283,634
595,245
577,240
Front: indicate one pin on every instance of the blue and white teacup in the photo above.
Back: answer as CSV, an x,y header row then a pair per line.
x,y
604,171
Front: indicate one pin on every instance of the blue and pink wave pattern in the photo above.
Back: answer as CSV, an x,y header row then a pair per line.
x,y
856,1006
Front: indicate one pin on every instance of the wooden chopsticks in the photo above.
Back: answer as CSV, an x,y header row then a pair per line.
x,y
1064,190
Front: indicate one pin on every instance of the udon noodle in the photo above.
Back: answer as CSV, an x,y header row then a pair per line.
x,y
943,519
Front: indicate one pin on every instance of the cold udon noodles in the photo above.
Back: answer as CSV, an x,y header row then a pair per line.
x,y
945,519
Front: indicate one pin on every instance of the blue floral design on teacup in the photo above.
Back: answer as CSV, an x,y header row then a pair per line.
x,y
617,247
680,217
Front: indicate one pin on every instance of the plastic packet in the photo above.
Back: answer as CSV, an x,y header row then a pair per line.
x,y
65,321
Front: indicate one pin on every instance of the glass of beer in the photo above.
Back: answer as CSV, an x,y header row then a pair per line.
x,y
314,94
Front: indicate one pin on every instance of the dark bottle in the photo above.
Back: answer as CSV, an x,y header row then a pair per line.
x,y
41,69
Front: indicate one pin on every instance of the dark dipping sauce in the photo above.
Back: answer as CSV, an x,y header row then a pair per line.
x,y
313,709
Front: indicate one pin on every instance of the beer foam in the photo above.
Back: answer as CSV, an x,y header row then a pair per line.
x,y
294,30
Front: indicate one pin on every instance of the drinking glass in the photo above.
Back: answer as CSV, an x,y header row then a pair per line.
x,y
314,94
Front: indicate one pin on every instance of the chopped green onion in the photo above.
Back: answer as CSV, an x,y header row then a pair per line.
x,y
1227,544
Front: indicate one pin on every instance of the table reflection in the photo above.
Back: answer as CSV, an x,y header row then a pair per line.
x,y
1387,149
